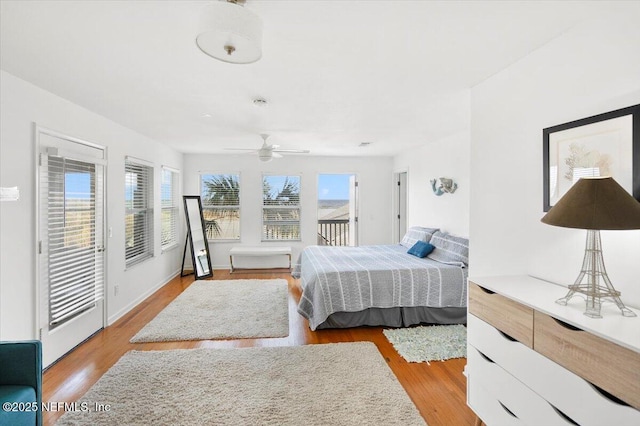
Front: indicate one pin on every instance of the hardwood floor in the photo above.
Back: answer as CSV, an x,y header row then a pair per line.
x,y
438,390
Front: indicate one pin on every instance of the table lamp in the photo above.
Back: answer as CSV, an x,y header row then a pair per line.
x,y
594,204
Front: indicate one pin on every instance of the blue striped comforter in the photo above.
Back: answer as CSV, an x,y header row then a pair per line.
x,y
351,279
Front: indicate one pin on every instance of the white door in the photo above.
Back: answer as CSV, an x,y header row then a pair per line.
x,y
401,205
70,243
353,209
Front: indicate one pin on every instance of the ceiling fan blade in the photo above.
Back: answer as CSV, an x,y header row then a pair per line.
x,y
267,151
293,151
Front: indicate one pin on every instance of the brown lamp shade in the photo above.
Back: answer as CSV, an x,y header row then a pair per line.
x,y
595,203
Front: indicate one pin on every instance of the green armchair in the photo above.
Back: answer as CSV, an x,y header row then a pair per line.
x,y
21,383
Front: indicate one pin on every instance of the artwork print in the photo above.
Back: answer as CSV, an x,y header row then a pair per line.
x,y
598,149
604,145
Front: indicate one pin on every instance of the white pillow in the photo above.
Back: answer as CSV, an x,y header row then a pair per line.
x,y
417,233
450,249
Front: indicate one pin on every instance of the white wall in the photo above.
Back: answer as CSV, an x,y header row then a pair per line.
x,y
591,69
374,176
21,105
448,157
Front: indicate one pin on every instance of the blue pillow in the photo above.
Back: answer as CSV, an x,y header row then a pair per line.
x,y
421,249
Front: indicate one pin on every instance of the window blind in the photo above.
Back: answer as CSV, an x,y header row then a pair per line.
x,y
139,211
73,216
280,208
169,205
220,194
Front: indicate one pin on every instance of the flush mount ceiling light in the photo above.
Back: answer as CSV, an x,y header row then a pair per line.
x,y
230,33
260,102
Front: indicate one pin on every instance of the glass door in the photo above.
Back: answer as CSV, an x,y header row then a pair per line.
x,y
70,249
337,210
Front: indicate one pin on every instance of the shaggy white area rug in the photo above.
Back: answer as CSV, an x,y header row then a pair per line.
x,y
222,309
429,343
324,384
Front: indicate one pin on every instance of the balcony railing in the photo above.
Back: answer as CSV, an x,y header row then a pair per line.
x,y
333,232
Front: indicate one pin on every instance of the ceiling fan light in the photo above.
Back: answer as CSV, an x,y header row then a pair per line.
x,y
265,155
230,33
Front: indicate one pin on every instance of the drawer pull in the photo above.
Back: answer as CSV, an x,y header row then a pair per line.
x,y
506,336
567,326
507,410
486,357
486,290
564,416
609,396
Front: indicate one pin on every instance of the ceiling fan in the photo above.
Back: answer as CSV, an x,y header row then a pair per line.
x,y
268,152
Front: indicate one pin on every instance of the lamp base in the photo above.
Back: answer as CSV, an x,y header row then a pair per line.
x,y
589,281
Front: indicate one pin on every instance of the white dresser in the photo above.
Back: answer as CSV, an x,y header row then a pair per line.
x,y
531,361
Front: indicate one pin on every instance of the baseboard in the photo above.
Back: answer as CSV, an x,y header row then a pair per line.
x,y
240,271
122,312
220,267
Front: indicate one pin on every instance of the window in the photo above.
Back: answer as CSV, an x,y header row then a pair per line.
x,y
139,211
280,208
220,195
169,205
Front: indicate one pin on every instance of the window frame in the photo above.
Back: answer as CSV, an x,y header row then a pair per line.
x,y
174,207
148,210
297,207
206,206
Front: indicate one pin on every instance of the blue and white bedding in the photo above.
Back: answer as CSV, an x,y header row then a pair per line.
x,y
352,279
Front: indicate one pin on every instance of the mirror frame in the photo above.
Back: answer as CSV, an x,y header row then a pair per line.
x,y
189,240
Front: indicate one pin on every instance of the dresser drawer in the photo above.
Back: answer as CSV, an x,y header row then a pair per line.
x,y
565,391
570,393
521,401
603,363
510,317
487,407
503,349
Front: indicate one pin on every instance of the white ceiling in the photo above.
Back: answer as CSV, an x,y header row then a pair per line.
x,y
334,73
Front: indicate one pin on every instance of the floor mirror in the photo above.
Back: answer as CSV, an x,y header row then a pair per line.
x,y
196,240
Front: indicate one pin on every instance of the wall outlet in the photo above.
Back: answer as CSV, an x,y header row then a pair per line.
x,y
116,290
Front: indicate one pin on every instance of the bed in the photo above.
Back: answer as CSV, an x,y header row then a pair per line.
x,y
382,285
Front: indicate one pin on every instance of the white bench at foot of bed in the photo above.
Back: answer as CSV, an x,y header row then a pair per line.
x,y
245,251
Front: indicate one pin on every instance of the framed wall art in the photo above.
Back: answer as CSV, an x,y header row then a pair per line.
x,y
603,145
